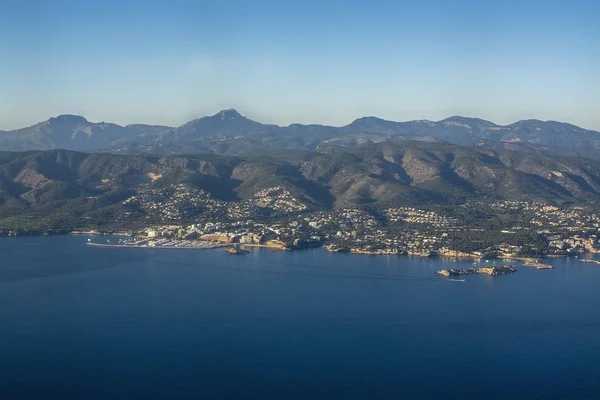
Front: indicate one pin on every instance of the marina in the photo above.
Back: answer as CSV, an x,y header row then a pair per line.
x,y
159,244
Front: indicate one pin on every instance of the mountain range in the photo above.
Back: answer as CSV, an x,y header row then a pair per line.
x,y
65,185
229,132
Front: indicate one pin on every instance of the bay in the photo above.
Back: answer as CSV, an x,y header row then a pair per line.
x,y
83,322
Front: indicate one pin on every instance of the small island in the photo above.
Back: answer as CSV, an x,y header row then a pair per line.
x,y
491,271
234,250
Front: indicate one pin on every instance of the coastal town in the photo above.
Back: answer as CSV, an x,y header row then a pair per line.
x,y
181,217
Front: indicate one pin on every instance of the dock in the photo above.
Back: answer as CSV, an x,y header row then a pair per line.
x,y
162,244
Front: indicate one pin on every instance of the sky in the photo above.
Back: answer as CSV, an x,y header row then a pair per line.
x,y
327,62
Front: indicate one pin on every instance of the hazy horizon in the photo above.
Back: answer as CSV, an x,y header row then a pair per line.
x,y
166,63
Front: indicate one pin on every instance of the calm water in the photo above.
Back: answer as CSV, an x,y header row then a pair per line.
x,y
87,323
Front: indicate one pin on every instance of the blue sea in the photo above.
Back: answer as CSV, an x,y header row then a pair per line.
x,y
82,322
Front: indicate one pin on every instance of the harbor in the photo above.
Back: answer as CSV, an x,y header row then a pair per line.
x,y
159,244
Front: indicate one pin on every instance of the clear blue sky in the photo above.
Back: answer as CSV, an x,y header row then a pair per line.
x,y
329,62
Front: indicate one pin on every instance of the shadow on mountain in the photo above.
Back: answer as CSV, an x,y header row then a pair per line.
x,y
315,192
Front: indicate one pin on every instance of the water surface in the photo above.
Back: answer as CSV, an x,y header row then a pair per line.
x,y
89,322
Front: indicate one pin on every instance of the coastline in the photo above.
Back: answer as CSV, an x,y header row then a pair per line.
x,y
209,246
280,246
589,261
490,271
189,245
530,262
266,246
99,233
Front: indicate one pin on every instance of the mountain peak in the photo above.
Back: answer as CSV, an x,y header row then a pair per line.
x,y
228,114
369,119
459,118
467,122
68,119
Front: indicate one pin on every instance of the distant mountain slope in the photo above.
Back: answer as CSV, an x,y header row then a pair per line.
x,y
226,123
150,130
81,185
464,131
74,133
229,132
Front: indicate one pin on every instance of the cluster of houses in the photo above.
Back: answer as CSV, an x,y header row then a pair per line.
x,y
173,203
413,215
180,203
400,230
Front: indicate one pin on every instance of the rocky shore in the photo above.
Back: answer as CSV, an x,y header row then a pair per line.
x,y
536,264
458,254
236,250
491,271
381,252
590,261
